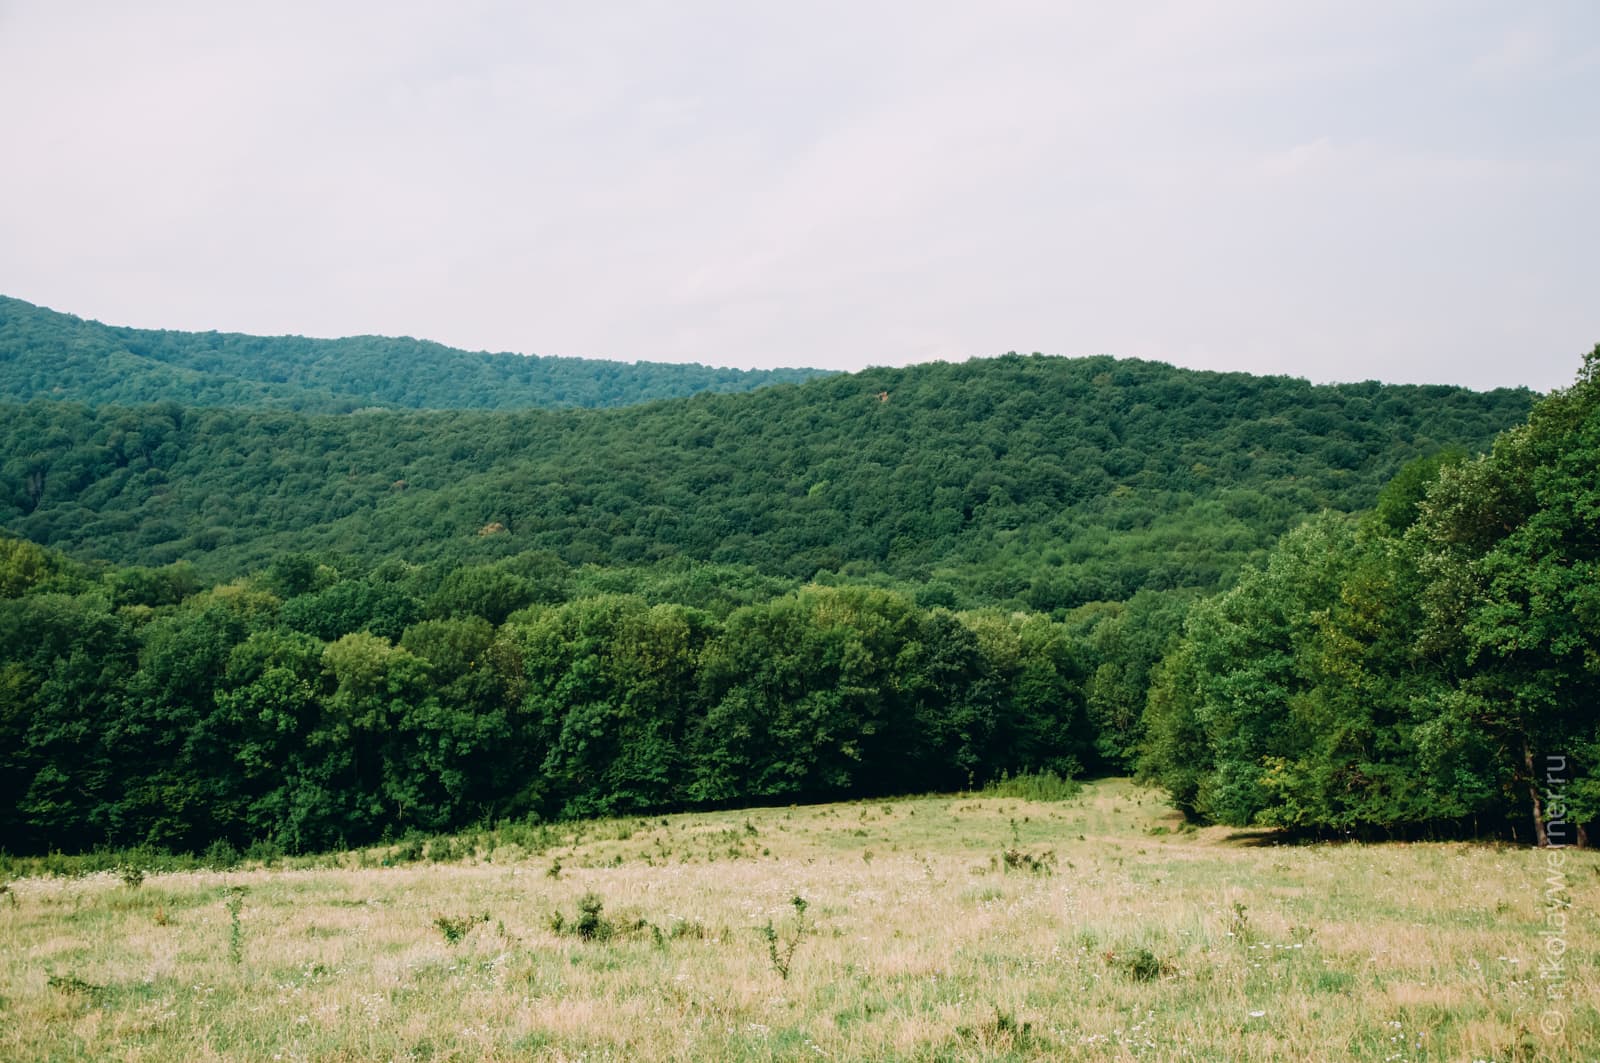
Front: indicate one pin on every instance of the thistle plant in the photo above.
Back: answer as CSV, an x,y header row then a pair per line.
x,y
781,946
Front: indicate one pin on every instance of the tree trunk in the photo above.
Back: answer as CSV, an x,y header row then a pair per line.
x,y
1540,837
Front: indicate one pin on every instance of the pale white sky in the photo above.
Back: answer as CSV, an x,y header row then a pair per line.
x,y
1346,190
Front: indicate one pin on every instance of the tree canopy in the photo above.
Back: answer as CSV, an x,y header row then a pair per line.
x,y
44,354
269,613
1436,664
1034,482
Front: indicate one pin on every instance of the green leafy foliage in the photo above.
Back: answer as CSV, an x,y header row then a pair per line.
x,y
456,927
45,354
1435,666
932,578
782,944
1034,483
1039,786
234,718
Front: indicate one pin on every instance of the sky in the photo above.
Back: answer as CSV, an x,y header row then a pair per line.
x,y
1402,191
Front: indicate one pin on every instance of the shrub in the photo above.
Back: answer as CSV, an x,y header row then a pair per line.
x,y
454,928
1141,965
221,856
590,925
1037,786
1042,863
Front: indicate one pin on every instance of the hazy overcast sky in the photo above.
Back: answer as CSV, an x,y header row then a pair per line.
x,y
1404,191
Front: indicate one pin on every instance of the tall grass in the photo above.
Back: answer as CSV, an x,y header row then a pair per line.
x,y
1136,945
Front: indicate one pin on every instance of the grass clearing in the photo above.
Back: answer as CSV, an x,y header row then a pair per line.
x,y
680,937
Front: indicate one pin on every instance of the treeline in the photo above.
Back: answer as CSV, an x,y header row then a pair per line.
x,y
45,354
312,709
1030,483
1429,666
1433,666
312,629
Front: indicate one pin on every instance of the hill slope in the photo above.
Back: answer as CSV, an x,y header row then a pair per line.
x,y
44,354
1043,482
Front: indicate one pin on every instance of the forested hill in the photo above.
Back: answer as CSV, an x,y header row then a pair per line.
x,y
44,354
1035,482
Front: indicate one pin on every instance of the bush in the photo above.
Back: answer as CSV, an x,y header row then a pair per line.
x,y
590,925
1043,863
456,927
221,856
1037,786
265,851
1141,965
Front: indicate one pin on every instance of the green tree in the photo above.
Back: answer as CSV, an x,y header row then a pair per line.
x,y
273,756
1513,561
23,566
798,688
67,661
174,792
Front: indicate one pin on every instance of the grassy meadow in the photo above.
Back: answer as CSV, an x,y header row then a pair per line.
x,y
933,928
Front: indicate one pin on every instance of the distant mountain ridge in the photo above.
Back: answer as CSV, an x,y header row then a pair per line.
x,y
50,355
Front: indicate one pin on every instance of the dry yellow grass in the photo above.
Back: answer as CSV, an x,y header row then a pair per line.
x,y
918,941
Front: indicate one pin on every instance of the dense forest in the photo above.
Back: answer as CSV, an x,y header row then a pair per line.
x,y
1031,482
1436,661
308,710
1310,607
48,355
